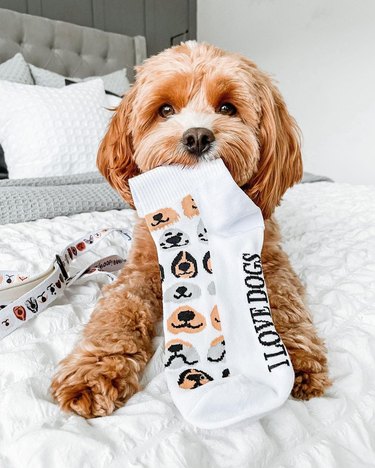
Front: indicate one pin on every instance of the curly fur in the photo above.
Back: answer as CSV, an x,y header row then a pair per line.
x,y
260,146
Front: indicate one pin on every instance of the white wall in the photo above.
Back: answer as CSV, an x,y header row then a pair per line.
x,y
322,53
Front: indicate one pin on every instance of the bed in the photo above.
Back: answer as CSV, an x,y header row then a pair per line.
x,y
329,233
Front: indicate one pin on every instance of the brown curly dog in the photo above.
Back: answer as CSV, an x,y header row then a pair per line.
x,y
237,114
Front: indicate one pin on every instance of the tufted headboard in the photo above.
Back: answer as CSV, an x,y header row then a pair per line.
x,y
68,49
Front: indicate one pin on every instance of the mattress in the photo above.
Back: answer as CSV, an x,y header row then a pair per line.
x,y
329,233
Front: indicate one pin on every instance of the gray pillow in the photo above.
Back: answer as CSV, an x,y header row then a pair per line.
x,y
115,82
16,70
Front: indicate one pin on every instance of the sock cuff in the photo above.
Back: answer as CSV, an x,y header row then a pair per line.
x,y
165,184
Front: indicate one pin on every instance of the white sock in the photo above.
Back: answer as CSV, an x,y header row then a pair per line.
x,y
224,359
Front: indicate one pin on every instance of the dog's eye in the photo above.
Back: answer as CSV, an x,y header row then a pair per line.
x,y
227,109
166,110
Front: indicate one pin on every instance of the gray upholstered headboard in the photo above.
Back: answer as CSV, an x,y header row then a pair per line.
x,y
68,49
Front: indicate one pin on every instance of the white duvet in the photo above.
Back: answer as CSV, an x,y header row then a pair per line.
x,y
329,233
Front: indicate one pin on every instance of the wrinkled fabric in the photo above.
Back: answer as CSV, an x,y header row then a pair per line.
x,y
329,233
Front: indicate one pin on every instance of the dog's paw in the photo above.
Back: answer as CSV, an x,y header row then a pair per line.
x,y
94,386
311,375
310,385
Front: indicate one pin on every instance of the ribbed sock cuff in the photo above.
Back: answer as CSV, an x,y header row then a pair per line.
x,y
156,188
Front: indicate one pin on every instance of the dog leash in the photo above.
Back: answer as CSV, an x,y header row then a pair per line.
x,y
23,297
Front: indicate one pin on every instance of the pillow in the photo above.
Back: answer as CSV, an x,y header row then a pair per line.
x,y
116,82
112,101
51,132
16,70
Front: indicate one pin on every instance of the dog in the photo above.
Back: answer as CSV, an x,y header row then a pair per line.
x,y
190,102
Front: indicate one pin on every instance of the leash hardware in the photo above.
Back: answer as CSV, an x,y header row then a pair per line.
x,y
62,267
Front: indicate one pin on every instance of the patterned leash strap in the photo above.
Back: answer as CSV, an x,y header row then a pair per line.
x,y
23,297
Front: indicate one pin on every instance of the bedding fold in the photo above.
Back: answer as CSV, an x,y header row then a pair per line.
x,y
24,200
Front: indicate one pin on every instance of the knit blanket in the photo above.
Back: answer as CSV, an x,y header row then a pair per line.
x,y
24,200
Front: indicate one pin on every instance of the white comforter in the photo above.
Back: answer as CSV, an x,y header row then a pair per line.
x,y
329,233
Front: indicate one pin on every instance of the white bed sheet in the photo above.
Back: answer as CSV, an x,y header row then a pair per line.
x,y
329,233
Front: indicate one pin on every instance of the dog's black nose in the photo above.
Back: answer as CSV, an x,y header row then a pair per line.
x,y
175,348
197,140
184,266
182,289
174,240
158,216
186,316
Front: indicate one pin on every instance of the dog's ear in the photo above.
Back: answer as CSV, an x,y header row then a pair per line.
x,y
280,162
115,155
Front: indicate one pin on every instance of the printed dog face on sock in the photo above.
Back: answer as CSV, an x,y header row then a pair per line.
x,y
186,319
178,353
215,318
202,232
193,378
173,239
189,207
216,352
181,292
184,266
211,288
162,218
162,275
207,262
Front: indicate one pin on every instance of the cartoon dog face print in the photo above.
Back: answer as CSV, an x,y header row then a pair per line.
x,y
184,266
9,279
162,218
72,251
225,373
202,232
186,319
189,207
216,352
211,288
193,378
180,292
178,353
51,288
173,239
162,276
42,297
90,240
207,262
215,318
20,312
32,305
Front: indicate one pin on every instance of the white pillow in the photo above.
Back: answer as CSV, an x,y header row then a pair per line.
x,y
49,131
115,82
17,70
112,101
